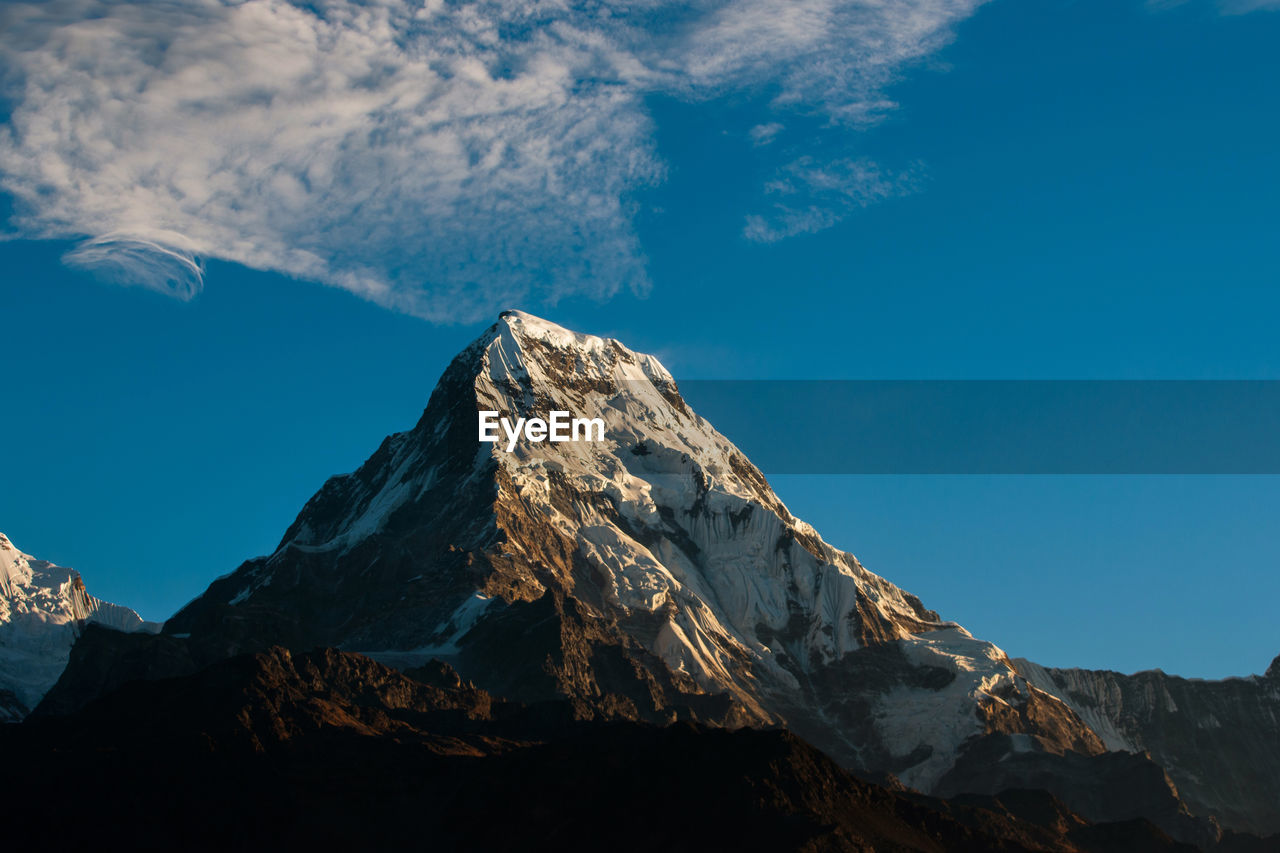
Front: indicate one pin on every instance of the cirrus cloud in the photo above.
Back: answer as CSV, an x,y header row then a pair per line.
x,y
437,158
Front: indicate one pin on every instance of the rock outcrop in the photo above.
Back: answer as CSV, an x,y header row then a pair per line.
x,y
1219,741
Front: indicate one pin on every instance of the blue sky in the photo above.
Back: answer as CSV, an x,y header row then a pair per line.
x,y
1063,190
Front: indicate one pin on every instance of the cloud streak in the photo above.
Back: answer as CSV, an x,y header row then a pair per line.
x,y
810,195
1243,7
1225,7
436,158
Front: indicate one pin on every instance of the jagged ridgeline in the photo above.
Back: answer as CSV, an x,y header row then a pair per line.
x,y
651,576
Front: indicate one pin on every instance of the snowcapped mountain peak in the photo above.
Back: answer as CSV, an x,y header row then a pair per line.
x,y
42,606
651,568
523,349
524,324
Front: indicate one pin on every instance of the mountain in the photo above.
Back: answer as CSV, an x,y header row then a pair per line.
x,y
42,610
653,570
651,576
1219,740
284,750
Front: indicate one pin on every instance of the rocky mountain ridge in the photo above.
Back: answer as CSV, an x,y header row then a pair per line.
x,y
1219,740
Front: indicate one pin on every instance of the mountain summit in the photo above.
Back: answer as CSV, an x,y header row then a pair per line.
x,y
653,575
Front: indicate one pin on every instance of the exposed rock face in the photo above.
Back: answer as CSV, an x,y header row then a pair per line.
x,y
288,750
1218,740
43,607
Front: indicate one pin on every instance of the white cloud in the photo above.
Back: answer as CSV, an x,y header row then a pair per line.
x,y
763,134
437,158
164,261
811,195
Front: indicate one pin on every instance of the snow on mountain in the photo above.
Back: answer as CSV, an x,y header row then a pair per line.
x,y
42,607
677,529
652,571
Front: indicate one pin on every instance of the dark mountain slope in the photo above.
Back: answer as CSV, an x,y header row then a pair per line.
x,y
333,750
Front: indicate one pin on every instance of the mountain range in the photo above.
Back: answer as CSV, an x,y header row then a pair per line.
x,y
653,582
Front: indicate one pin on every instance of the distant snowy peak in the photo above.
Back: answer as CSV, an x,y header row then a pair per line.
x,y
42,606
29,586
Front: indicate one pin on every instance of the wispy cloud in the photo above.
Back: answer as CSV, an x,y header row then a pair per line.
x,y
811,195
436,158
763,134
162,261
1225,7
1241,7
